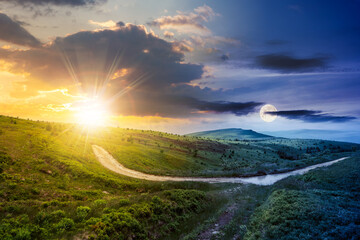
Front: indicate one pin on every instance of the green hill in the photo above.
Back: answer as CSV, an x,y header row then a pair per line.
x,y
53,187
231,134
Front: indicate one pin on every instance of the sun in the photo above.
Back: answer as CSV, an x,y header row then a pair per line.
x,y
92,114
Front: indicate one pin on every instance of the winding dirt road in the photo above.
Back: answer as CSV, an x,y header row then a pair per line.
x,y
112,164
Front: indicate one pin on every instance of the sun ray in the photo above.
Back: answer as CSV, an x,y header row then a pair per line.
x,y
131,86
69,66
112,70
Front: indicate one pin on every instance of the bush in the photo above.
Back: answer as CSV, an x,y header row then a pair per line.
x,y
119,225
23,234
21,229
123,202
66,224
42,218
57,215
98,203
82,212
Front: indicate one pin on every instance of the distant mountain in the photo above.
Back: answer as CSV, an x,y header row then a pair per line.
x,y
336,135
231,134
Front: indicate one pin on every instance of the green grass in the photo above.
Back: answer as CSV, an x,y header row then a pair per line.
x,y
168,154
53,187
322,204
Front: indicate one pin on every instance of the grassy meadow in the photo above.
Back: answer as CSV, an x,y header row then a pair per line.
x,y
52,186
169,154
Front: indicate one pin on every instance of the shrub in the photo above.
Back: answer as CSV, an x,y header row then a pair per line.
x,y
42,218
99,203
123,202
23,234
57,215
82,212
66,224
119,225
92,221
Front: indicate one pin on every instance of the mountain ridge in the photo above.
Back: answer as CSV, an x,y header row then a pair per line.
x,y
231,134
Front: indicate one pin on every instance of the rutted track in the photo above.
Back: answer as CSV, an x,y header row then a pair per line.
x,y
112,164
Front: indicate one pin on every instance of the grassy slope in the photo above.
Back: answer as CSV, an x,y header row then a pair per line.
x,y
51,186
169,154
322,204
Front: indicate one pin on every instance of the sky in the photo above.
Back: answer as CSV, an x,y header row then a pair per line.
x,y
184,66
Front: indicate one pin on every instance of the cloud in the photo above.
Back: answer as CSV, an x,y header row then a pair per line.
x,y
107,24
182,46
131,69
56,2
13,32
135,71
311,116
192,28
237,108
182,105
168,34
96,54
290,64
187,22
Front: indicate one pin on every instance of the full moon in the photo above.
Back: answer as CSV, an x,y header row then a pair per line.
x,y
268,117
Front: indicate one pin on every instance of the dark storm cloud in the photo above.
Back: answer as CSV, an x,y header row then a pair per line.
x,y
56,2
11,31
290,64
175,105
311,116
237,108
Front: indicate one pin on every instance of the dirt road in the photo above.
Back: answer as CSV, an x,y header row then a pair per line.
x,y
111,163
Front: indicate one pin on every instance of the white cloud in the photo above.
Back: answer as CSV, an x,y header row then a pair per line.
x,y
107,24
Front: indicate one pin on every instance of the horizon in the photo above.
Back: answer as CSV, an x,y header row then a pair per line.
x,y
277,134
184,67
